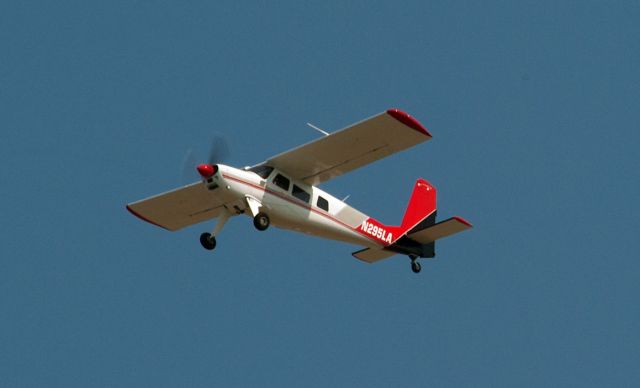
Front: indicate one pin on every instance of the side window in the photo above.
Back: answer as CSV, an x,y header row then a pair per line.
x,y
300,194
323,204
282,182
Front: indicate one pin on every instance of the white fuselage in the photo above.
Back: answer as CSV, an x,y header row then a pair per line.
x,y
290,204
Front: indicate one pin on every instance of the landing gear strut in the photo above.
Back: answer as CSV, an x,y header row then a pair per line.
x,y
415,266
261,221
208,241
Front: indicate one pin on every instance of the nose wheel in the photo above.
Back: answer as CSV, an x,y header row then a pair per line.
x,y
208,241
415,266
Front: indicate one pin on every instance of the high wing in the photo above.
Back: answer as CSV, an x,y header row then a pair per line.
x,y
352,147
179,208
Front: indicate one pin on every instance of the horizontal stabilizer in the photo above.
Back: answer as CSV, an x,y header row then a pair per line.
x,y
178,208
372,255
440,230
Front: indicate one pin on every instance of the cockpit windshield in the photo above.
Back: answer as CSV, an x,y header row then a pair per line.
x,y
262,171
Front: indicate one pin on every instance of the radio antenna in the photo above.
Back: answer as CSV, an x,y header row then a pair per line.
x,y
318,129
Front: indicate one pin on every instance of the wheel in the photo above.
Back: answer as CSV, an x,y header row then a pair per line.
x,y
208,241
261,221
416,267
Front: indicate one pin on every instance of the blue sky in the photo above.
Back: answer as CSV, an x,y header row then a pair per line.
x,y
534,111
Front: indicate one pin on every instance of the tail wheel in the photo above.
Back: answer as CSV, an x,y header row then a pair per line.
x,y
261,221
415,266
208,241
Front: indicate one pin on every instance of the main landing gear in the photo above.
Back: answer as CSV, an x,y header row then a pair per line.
x,y
261,221
208,240
415,266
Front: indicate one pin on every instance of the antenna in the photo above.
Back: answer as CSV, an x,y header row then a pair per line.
x,y
345,198
318,129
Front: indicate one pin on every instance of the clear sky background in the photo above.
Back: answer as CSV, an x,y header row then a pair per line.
x,y
534,107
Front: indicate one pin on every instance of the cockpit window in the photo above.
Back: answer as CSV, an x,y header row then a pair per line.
x,y
262,171
300,194
282,182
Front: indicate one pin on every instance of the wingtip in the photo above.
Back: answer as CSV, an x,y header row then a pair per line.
x,y
462,220
408,120
360,259
143,218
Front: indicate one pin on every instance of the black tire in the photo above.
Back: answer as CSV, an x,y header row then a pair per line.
x,y
208,241
261,221
416,267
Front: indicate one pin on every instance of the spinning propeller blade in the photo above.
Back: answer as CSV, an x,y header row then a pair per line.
x,y
218,152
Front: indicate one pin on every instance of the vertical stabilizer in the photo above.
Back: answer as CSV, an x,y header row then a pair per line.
x,y
420,212
421,205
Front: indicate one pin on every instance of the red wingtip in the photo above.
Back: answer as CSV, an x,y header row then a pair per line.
x,y
460,219
407,120
142,217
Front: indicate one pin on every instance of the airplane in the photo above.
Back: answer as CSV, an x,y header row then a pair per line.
x,y
283,191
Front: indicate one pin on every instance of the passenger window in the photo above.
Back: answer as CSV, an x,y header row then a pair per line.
x,y
300,194
323,204
282,182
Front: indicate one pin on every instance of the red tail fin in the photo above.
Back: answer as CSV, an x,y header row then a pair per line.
x,y
421,205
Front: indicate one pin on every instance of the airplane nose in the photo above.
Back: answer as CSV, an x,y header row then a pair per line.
x,y
207,170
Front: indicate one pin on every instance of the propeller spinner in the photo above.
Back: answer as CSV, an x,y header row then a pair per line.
x,y
207,170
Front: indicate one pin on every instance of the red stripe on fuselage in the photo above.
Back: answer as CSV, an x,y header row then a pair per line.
x,y
302,205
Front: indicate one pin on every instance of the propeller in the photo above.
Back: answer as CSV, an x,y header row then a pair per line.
x,y
218,152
